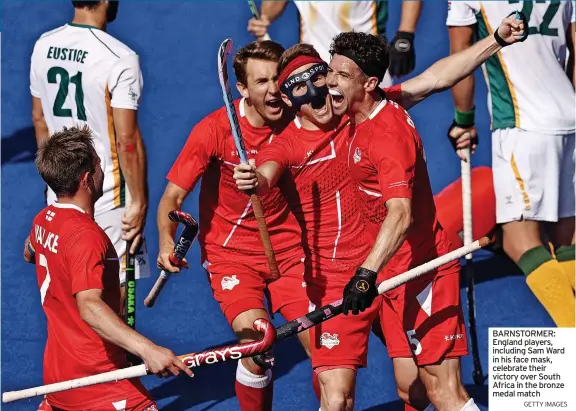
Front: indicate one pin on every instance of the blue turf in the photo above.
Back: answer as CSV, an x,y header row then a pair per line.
x,y
178,43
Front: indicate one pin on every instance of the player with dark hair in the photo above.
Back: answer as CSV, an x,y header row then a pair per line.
x,y
314,147
77,269
422,321
80,74
232,252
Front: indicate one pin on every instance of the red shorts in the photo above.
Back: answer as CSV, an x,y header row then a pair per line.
x,y
141,402
426,320
239,286
342,341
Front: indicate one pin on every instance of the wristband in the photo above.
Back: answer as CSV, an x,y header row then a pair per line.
x,y
499,39
464,119
31,250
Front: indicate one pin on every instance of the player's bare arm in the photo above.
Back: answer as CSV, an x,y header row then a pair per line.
x,y
450,70
98,315
132,156
391,235
402,53
29,254
269,12
172,199
40,127
263,178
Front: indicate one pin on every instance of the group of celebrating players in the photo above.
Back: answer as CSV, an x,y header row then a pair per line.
x,y
342,175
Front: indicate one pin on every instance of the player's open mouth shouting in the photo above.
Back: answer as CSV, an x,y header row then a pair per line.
x,y
303,84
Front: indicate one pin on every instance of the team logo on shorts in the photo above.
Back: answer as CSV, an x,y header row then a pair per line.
x,y
329,340
229,283
362,286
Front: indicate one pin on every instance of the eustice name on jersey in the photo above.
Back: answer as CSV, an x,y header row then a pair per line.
x,y
62,53
49,242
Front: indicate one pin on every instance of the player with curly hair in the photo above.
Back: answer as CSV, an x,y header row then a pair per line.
x,y
422,321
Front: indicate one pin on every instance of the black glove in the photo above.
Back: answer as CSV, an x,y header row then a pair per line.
x,y
402,55
360,291
473,140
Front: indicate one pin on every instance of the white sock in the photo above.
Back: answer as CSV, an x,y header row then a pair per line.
x,y
249,379
470,406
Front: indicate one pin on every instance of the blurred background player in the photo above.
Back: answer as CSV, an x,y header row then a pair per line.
x,y
77,269
321,21
533,125
232,252
387,163
80,74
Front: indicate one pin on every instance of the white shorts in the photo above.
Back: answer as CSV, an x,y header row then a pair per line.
x,y
111,223
533,175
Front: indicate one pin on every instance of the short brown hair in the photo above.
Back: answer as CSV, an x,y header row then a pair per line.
x,y
63,158
296,50
260,50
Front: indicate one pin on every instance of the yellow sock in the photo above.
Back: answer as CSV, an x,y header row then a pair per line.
x,y
548,282
565,256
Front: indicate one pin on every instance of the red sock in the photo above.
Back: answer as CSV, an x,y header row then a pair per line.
x,y
254,392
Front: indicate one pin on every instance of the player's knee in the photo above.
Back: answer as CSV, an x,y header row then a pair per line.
x,y
252,375
337,392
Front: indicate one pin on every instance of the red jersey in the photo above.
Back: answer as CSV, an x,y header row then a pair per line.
x,y
227,221
73,254
322,197
387,160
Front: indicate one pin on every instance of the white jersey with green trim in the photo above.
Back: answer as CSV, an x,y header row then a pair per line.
x,y
321,21
528,87
80,73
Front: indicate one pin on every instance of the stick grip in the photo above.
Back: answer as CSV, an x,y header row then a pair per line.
x,y
265,237
467,199
156,289
180,249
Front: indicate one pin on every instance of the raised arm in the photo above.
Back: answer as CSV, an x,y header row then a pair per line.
x,y
270,11
447,72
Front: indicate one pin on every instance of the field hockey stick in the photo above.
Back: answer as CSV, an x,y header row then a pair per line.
x,y
256,15
181,247
192,360
130,296
477,374
326,312
223,52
